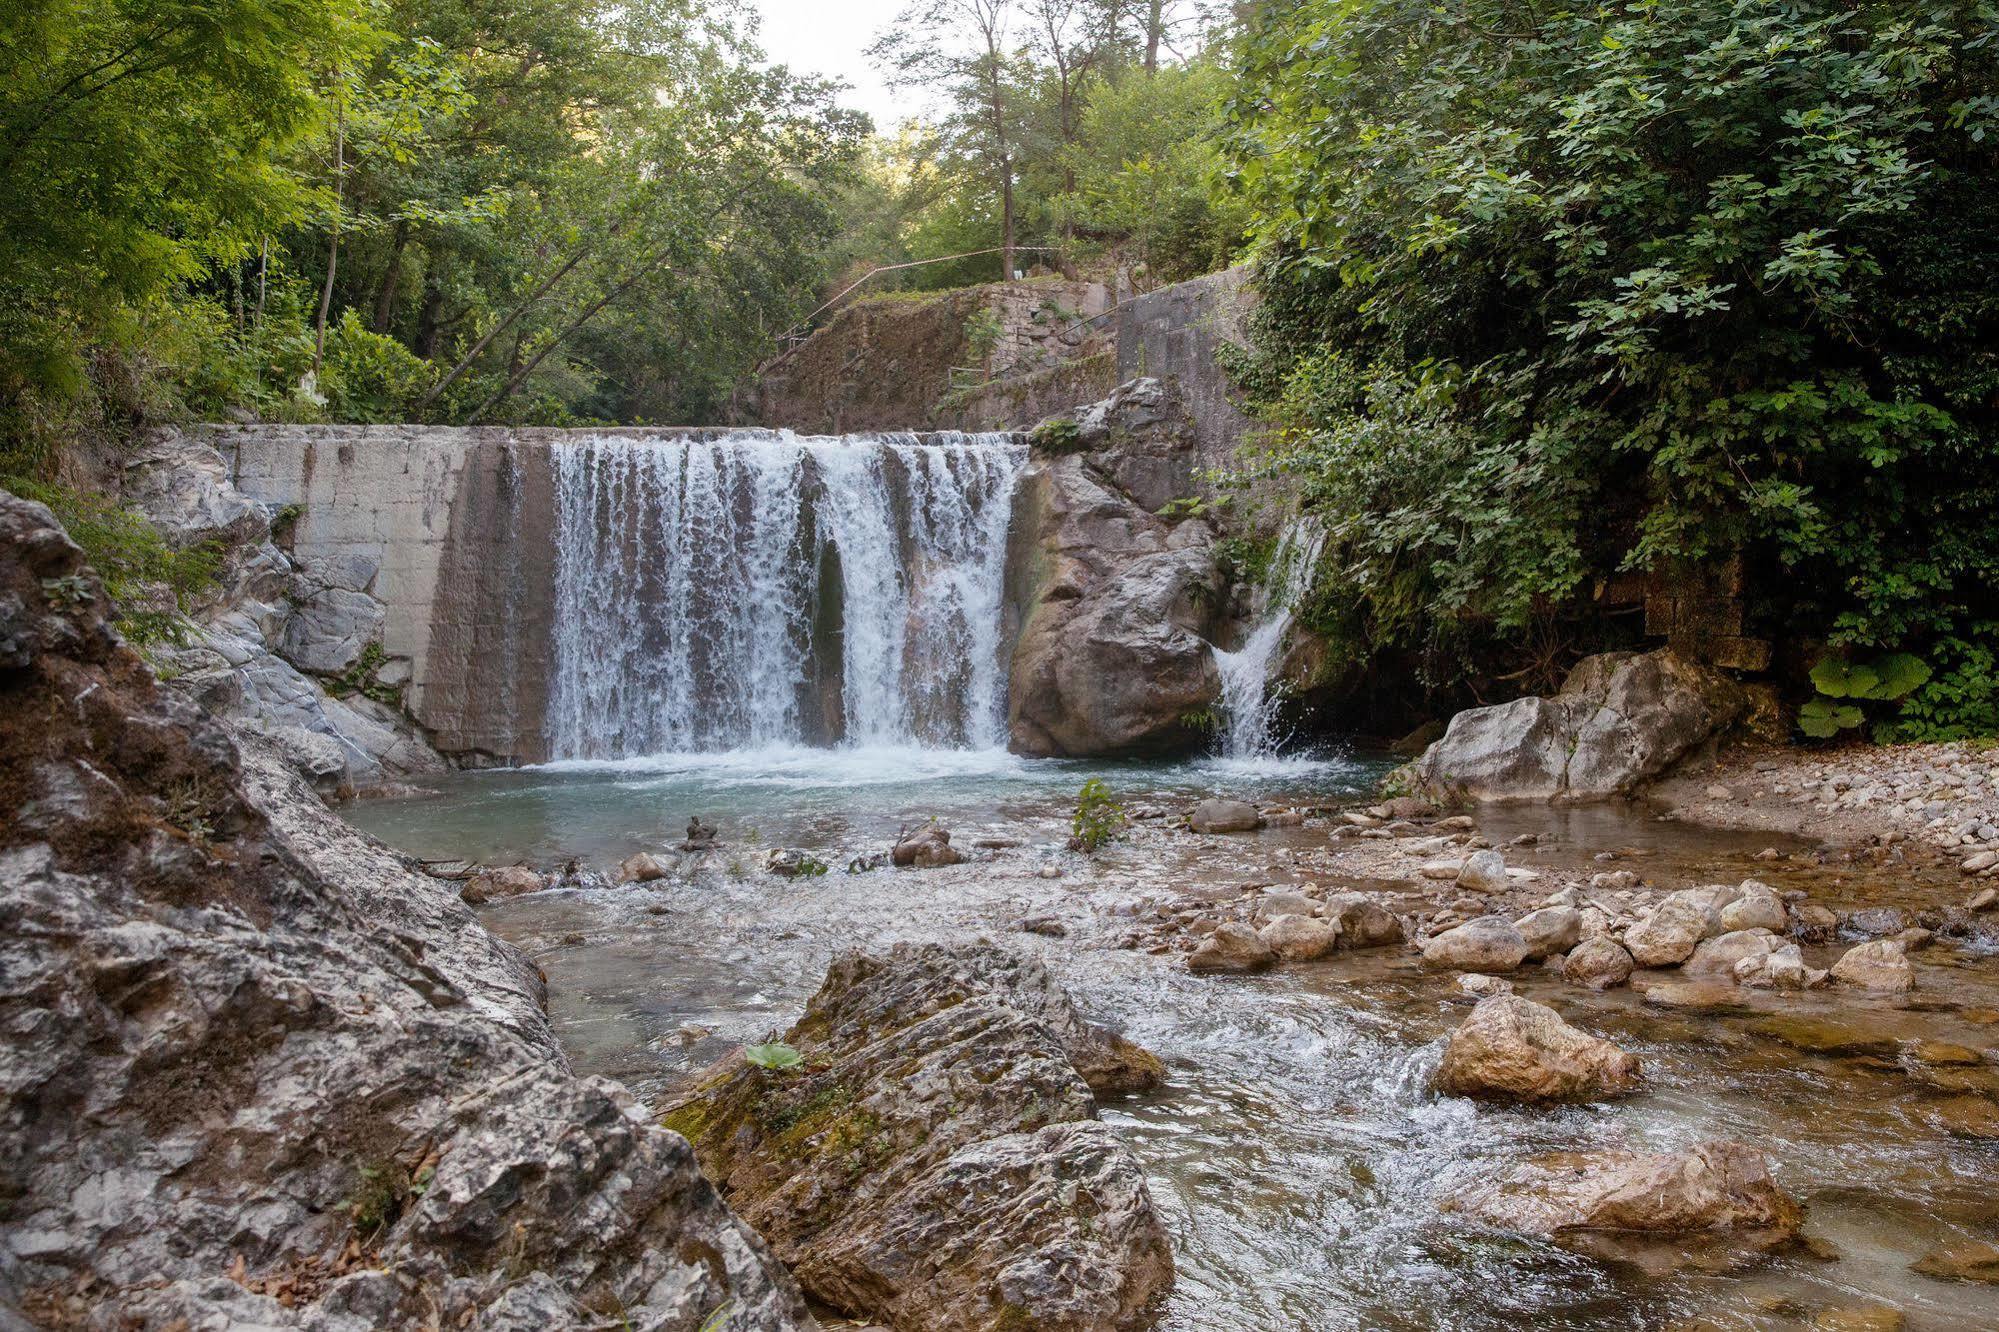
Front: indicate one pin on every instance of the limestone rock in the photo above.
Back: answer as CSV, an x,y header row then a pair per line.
x,y
1882,965
330,628
1599,962
1620,720
1671,931
1224,816
1714,1186
936,1164
1362,921
1118,608
1299,938
1516,1050
640,868
1488,943
1963,1262
287,1042
1554,929
929,847
501,882
1756,910
1234,948
1782,968
1483,872
1720,955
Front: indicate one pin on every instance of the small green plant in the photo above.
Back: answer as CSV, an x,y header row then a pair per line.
x,y
1099,819
1058,434
1201,719
774,1056
360,678
1192,506
1844,685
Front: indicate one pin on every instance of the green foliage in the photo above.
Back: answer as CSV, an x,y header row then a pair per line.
x,y
1960,700
1245,559
1099,819
1556,294
1057,435
360,678
150,583
774,1056
1884,679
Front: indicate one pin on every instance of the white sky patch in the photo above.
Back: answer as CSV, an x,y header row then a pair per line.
x,y
831,37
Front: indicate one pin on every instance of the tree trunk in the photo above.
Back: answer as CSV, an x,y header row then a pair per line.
x,y
385,294
1155,28
428,325
333,246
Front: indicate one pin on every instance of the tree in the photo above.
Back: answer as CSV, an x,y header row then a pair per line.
x,y
966,48
1554,294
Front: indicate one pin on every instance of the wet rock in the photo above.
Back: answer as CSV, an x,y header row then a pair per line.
x,y
1599,963
1668,935
1483,872
1962,1262
277,1041
936,1163
1299,938
1713,1187
1825,1035
1048,926
1620,720
1270,906
1782,968
1859,1318
497,884
1361,921
1718,956
791,863
1812,923
1700,996
640,868
1224,816
1755,910
1487,943
1972,1117
1480,986
1876,922
1232,948
1554,929
1882,965
929,847
1516,1050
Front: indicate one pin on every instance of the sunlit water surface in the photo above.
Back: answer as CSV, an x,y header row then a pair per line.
x,y
1295,1150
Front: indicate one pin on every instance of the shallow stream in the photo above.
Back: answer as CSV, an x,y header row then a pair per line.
x,y
1294,1149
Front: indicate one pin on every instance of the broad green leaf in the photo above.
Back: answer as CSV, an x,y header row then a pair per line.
x,y
774,1055
1822,720
1837,678
1900,674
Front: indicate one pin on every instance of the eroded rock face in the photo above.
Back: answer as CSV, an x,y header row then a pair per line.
x,y
937,1164
279,649
1117,606
1514,1049
1620,720
300,1056
1713,1187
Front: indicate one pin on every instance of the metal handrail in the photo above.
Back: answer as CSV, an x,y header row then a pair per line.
x,y
797,339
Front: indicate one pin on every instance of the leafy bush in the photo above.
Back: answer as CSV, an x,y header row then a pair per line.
x,y
1056,435
1553,295
1884,679
1099,820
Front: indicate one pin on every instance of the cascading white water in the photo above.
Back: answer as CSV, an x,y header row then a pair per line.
x,y
762,589
1249,708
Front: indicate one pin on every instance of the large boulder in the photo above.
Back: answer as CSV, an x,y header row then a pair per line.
x,y
936,1162
1712,1189
1362,921
1620,720
1233,948
1598,962
258,1073
1513,1049
1670,932
1117,607
1216,815
1881,965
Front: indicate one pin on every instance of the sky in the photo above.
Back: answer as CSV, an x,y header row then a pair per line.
x,y
831,37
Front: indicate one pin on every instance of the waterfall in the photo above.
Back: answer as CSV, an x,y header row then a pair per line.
x,y
759,589
1249,709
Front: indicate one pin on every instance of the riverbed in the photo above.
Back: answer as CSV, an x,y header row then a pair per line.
x,y
1294,1149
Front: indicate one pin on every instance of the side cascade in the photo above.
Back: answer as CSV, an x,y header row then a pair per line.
x,y
761,589
1249,706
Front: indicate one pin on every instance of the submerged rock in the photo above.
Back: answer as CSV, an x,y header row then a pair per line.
x,y
309,1064
1620,719
1963,1262
936,1162
1488,943
1882,965
1516,1050
1233,947
1713,1188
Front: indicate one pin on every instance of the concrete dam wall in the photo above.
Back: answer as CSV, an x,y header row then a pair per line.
x,y
603,594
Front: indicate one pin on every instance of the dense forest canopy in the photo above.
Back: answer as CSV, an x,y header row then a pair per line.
x,y
1550,296
1554,294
